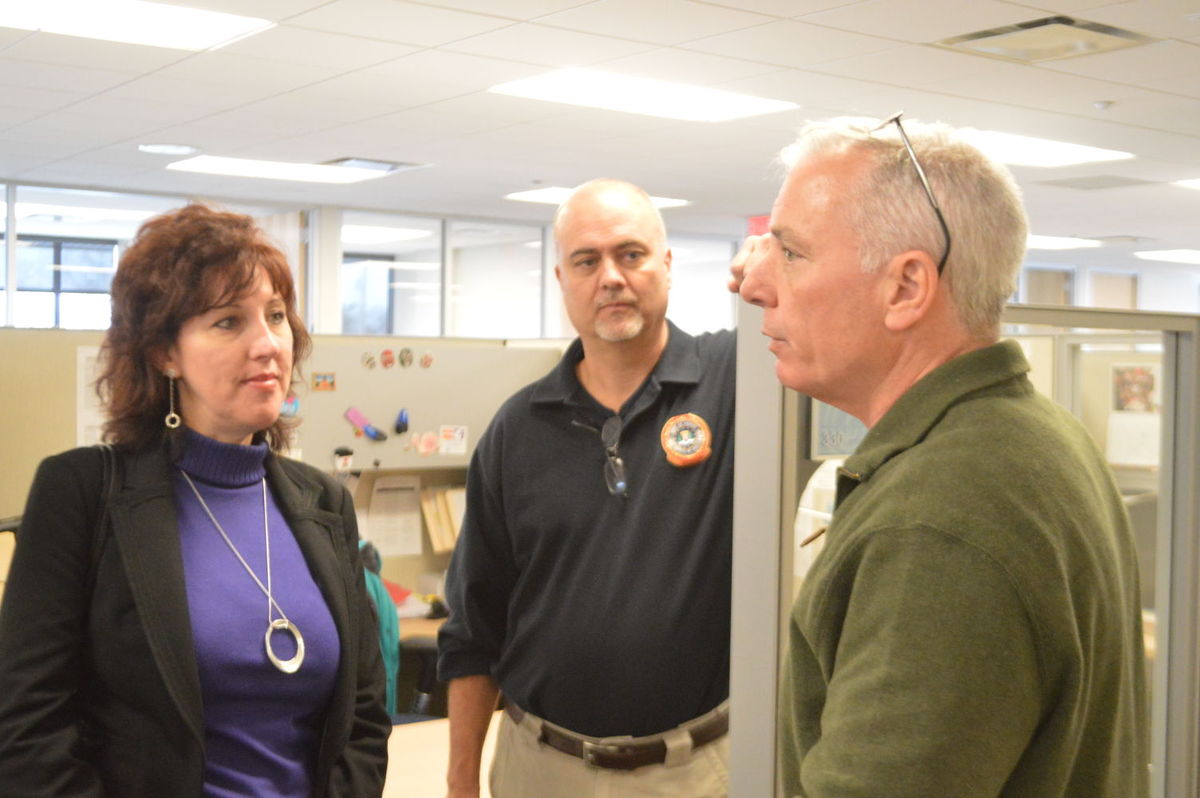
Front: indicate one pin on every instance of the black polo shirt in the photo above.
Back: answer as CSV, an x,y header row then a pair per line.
x,y
605,614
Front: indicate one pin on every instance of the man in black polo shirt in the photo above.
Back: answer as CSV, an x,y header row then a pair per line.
x,y
591,582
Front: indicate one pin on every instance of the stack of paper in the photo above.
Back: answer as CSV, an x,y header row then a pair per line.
x,y
442,509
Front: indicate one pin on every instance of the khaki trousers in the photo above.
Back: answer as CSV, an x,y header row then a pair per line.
x,y
524,768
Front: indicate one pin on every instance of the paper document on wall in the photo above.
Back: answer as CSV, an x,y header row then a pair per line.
x,y
89,414
395,517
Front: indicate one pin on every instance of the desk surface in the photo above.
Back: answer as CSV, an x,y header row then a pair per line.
x,y
418,755
420,627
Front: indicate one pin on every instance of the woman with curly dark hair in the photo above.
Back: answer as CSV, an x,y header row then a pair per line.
x,y
185,612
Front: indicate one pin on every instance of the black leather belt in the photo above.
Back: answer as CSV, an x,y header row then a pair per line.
x,y
624,755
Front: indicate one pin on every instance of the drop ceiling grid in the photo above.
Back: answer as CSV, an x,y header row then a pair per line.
x,y
661,22
921,20
788,43
297,45
538,44
394,20
686,66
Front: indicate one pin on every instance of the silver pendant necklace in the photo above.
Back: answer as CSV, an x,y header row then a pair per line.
x,y
273,624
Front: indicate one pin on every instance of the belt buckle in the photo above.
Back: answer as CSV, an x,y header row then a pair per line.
x,y
591,749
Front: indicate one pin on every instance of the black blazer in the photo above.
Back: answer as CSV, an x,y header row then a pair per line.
x,y
99,689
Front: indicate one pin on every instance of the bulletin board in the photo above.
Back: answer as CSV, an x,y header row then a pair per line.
x,y
449,391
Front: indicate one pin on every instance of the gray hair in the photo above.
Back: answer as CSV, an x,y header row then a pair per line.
x,y
888,207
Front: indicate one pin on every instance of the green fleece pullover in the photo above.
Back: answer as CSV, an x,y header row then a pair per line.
x,y
972,627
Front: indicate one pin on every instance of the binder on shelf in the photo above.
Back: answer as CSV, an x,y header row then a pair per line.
x,y
442,509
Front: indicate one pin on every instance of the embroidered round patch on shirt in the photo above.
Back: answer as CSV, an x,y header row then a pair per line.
x,y
686,440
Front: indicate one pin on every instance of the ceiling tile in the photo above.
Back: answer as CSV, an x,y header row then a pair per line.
x,y
53,77
907,65
510,9
200,94
213,138
51,48
1168,19
397,21
139,112
922,20
499,108
782,8
11,115
1138,65
77,132
1187,86
37,99
659,21
274,10
240,70
686,66
537,44
72,172
1034,87
424,77
10,36
1071,6
1156,110
304,46
807,88
790,44
35,152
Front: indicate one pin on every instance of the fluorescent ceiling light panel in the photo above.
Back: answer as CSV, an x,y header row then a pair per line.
x,y
554,195
1016,150
374,234
634,95
1188,184
1190,256
1060,242
275,170
168,149
131,22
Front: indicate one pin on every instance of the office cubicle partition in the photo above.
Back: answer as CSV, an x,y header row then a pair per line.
x,y
775,456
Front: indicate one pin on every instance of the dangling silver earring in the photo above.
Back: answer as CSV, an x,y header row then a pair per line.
x,y
172,420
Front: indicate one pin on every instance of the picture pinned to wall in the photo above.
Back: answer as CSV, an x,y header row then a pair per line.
x,y
452,439
1136,388
835,433
426,360
1135,420
387,358
405,357
368,360
324,381
291,406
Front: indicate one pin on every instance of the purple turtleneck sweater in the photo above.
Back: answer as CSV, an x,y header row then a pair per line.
x,y
261,726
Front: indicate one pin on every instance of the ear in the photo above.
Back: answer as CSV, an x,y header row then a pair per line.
x,y
166,361
910,284
667,264
558,274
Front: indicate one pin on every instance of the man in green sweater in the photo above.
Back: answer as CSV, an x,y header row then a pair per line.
x,y
972,627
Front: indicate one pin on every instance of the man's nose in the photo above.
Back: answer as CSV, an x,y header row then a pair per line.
x,y
756,286
611,273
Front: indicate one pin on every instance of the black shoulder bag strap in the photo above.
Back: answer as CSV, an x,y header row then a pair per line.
x,y
100,530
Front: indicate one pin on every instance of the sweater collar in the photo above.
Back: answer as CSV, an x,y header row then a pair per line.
x,y
230,465
915,413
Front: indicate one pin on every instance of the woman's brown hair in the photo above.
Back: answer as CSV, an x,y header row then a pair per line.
x,y
181,264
